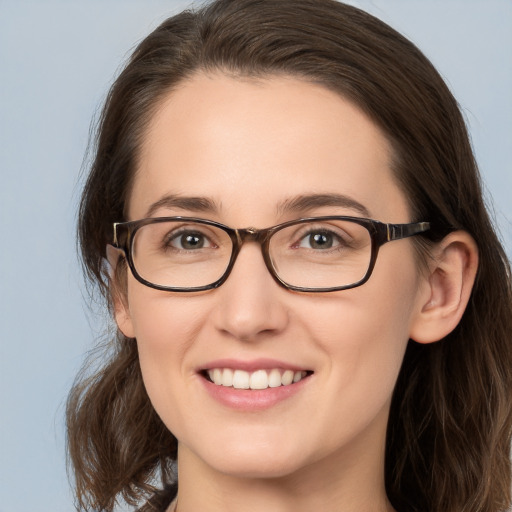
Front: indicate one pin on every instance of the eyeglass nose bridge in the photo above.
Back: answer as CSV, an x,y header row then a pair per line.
x,y
250,234
259,236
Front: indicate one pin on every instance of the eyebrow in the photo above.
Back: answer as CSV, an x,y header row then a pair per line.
x,y
192,204
298,204
307,202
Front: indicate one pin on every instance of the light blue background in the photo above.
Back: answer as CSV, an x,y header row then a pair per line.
x,y
57,59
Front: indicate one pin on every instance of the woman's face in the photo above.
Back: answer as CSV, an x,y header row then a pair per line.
x,y
250,149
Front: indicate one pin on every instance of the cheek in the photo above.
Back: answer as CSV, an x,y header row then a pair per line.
x,y
162,321
165,326
364,344
363,334
382,315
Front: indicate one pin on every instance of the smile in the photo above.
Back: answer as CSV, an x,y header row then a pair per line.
x,y
259,379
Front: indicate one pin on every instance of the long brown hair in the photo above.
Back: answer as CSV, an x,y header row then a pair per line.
x,y
450,424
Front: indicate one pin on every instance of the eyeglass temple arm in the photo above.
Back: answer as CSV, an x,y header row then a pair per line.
x,y
115,241
399,231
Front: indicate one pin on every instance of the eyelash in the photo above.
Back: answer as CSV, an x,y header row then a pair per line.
x,y
179,232
343,242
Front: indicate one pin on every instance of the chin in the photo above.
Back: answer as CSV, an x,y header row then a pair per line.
x,y
251,459
260,467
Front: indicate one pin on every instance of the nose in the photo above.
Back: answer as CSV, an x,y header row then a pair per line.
x,y
250,304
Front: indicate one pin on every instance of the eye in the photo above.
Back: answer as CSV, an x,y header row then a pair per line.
x,y
189,241
319,240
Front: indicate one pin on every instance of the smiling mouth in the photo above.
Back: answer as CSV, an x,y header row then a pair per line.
x,y
259,379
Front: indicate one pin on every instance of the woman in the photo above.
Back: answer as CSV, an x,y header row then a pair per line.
x,y
313,310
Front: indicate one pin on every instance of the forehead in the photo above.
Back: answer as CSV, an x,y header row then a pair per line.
x,y
249,145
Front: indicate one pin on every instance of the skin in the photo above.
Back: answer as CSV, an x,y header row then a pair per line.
x,y
248,146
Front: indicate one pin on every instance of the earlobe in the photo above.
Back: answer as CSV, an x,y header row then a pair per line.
x,y
118,293
123,319
448,286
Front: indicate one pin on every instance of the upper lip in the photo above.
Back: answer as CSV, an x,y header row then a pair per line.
x,y
252,365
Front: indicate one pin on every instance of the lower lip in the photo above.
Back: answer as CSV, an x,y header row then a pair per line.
x,y
252,400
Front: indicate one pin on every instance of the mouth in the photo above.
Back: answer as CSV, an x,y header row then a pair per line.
x,y
255,380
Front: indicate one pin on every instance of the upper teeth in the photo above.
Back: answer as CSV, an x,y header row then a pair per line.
x,y
260,379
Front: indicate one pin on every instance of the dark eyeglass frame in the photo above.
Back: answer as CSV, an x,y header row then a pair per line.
x,y
380,233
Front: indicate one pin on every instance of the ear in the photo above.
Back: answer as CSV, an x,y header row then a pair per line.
x,y
119,291
447,288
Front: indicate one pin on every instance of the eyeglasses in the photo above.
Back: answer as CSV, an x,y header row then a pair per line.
x,y
319,254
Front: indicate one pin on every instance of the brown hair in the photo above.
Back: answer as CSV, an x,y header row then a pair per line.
x,y
450,423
